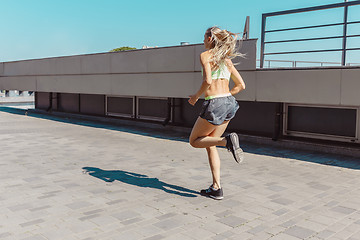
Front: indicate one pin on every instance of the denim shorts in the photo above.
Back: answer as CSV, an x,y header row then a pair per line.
x,y
218,110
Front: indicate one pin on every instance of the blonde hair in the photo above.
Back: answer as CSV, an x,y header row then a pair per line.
x,y
223,45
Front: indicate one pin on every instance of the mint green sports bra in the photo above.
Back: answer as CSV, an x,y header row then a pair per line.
x,y
221,72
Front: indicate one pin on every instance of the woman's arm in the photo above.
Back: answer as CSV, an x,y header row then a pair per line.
x,y
236,77
204,60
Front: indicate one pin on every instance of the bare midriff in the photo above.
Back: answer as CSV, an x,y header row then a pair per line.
x,y
218,87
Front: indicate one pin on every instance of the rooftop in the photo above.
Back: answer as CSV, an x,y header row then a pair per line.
x,y
71,179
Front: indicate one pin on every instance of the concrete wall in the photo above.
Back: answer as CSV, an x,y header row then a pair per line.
x,y
338,87
175,72
164,72
156,60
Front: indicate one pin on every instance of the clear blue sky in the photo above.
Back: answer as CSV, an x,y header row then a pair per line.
x,y
47,28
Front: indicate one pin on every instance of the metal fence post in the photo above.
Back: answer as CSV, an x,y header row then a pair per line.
x,y
343,59
263,25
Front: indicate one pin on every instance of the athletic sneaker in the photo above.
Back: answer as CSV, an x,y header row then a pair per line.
x,y
211,192
233,146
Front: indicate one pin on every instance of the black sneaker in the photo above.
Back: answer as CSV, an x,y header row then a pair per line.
x,y
233,146
211,192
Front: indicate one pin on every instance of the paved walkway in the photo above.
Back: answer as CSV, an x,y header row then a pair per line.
x,y
63,179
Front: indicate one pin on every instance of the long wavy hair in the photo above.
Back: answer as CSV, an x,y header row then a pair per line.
x,y
222,45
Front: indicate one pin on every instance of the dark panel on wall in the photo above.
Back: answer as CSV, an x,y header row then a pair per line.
x,y
54,101
255,118
330,121
252,117
42,100
184,113
92,104
68,102
120,105
148,107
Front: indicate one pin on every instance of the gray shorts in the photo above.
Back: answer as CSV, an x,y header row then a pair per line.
x,y
218,110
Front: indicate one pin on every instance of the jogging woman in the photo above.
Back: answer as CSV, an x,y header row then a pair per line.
x,y
219,106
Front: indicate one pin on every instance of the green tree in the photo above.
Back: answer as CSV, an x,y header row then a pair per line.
x,y
122,49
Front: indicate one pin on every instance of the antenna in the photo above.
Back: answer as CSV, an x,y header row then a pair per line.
x,y
246,28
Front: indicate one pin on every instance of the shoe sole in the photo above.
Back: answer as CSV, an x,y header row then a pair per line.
x,y
216,198
238,153
211,196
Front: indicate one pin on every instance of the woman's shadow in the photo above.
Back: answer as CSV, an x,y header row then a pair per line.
x,y
138,180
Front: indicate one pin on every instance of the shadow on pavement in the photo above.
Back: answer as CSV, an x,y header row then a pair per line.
x,y
140,128
304,155
138,180
167,133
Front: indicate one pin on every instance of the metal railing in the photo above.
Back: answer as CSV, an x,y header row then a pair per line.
x,y
344,36
296,63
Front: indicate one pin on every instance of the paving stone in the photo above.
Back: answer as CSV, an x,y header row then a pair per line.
x,y
275,230
299,232
283,236
199,233
325,234
216,227
314,226
344,234
131,221
133,192
78,205
4,235
230,203
89,217
156,237
262,236
355,236
219,237
319,186
125,215
126,235
307,208
331,203
282,201
32,222
93,212
287,224
232,221
224,235
148,230
116,201
178,236
224,213
20,207
280,212
168,215
276,188
343,210
39,208
168,224
258,229
243,235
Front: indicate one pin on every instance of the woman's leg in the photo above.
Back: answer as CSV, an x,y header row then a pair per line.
x,y
213,155
214,162
200,135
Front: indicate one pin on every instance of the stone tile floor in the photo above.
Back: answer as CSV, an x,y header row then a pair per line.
x,y
67,179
